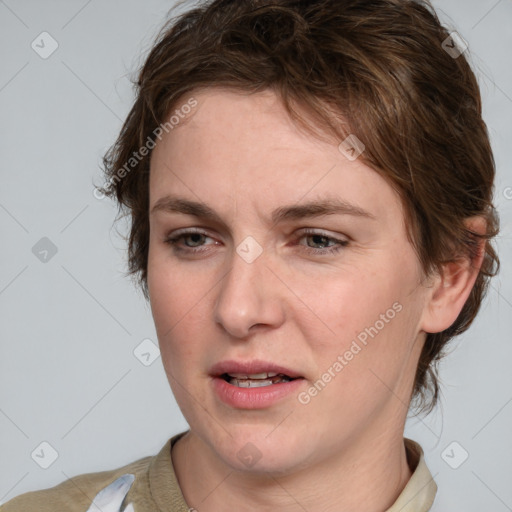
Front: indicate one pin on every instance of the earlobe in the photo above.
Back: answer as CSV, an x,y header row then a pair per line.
x,y
453,285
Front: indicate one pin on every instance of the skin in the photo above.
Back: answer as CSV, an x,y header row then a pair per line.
x,y
344,450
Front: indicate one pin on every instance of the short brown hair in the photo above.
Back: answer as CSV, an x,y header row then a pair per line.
x,y
378,70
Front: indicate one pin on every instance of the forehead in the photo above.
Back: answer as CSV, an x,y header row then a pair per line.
x,y
246,148
232,117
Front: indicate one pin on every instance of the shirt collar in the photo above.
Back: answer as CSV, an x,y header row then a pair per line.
x,y
420,491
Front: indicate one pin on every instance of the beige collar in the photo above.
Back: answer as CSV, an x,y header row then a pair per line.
x,y
420,491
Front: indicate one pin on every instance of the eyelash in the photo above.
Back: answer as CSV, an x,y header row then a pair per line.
x,y
173,242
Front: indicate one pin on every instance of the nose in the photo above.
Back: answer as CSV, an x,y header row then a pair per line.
x,y
248,298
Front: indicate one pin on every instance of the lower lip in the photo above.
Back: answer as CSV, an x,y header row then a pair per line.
x,y
254,398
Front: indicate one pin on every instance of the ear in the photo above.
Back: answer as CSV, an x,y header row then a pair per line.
x,y
450,289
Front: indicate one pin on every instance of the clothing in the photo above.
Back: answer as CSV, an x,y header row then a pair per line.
x,y
150,485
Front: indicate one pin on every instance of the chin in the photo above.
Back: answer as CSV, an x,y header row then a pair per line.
x,y
251,449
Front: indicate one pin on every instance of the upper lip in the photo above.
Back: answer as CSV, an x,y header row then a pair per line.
x,y
252,367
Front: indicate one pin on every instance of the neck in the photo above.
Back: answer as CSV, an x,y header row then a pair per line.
x,y
369,475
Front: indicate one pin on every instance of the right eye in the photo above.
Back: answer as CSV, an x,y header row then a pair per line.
x,y
195,237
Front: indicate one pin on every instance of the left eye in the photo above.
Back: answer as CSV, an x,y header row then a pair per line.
x,y
329,243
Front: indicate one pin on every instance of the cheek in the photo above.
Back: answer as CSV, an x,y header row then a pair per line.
x,y
178,307
348,304
176,298
371,318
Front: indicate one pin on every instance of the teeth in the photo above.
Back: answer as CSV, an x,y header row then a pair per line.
x,y
246,383
252,376
258,383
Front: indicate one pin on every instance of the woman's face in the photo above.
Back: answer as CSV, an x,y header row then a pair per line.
x,y
260,280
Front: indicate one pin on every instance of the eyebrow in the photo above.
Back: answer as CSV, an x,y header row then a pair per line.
x,y
328,206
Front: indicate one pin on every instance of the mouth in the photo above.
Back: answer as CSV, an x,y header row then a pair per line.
x,y
254,373
254,384
257,380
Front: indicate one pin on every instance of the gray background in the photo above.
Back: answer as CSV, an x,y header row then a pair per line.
x,y
69,325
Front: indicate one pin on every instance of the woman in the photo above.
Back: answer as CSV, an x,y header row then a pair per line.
x,y
310,189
